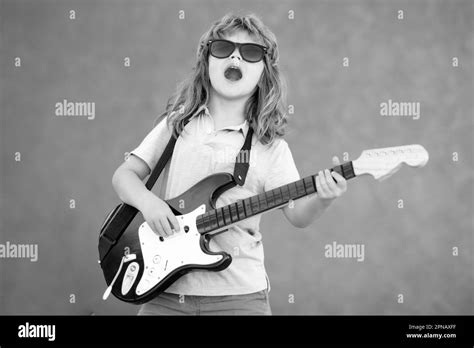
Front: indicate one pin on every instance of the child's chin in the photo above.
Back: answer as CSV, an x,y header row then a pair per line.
x,y
233,94
232,90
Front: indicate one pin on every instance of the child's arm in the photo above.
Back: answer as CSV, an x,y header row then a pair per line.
x,y
303,212
127,182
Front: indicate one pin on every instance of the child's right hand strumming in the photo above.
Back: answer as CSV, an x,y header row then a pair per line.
x,y
159,216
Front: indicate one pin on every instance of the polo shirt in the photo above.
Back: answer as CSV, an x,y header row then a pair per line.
x,y
202,150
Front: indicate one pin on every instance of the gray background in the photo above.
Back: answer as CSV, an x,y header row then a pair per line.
x,y
408,251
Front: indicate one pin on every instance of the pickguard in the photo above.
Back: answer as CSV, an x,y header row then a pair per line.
x,y
160,258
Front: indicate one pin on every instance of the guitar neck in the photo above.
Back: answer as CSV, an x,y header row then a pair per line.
x,y
220,218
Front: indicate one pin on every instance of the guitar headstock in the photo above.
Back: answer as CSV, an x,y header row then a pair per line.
x,y
384,162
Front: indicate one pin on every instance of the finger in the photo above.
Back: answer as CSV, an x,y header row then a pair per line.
x,y
319,189
337,177
166,227
173,221
341,182
158,229
169,220
153,227
324,186
324,183
335,161
331,182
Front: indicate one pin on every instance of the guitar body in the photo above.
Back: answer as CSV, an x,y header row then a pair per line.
x,y
153,263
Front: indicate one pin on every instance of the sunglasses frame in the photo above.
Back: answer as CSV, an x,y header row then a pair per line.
x,y
239,46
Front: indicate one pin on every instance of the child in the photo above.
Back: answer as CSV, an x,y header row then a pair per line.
x,y
235,85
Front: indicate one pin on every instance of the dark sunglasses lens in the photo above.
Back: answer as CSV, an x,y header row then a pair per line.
x,y
221,49
252,53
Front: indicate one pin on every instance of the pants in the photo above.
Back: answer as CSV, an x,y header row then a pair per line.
x,y
172,304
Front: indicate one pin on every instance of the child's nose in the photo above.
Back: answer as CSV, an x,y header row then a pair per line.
x,y
236,54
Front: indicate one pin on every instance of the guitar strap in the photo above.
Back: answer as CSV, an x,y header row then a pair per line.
x,y
163,159
118,219
241,168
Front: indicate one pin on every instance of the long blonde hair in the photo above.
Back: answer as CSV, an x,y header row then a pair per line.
x,y
265,109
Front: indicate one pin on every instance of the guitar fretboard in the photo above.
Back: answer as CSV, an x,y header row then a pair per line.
x,y
230,214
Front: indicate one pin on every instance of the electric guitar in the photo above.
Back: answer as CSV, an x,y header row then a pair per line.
x,y
142,264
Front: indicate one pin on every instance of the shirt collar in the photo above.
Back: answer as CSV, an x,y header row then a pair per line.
x,y
243,127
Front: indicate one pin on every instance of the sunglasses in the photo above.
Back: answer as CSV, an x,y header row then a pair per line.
x,y
250,52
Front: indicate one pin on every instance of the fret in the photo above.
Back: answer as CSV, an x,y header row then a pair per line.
x,y
278,198
254,203
205,219
263,201
347,170
233,212
248,207
338,169
209,223
313,177
300,188
285,193
199,222
227,219
213,220
293,190
241,210
220,217
270,199
308,185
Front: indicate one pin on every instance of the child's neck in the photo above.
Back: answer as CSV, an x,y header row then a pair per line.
x,y
226,112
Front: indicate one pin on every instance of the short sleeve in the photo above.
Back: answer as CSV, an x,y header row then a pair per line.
x,y
153,145
282,167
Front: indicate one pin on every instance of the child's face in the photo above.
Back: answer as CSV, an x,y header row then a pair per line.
x,y
226,83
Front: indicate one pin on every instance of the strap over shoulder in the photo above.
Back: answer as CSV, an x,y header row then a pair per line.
x,y
168,151
241,168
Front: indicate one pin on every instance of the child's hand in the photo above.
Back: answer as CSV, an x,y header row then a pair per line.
x,y
159,216
325,185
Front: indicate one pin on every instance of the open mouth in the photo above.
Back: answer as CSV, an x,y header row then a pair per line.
x,y
233,73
